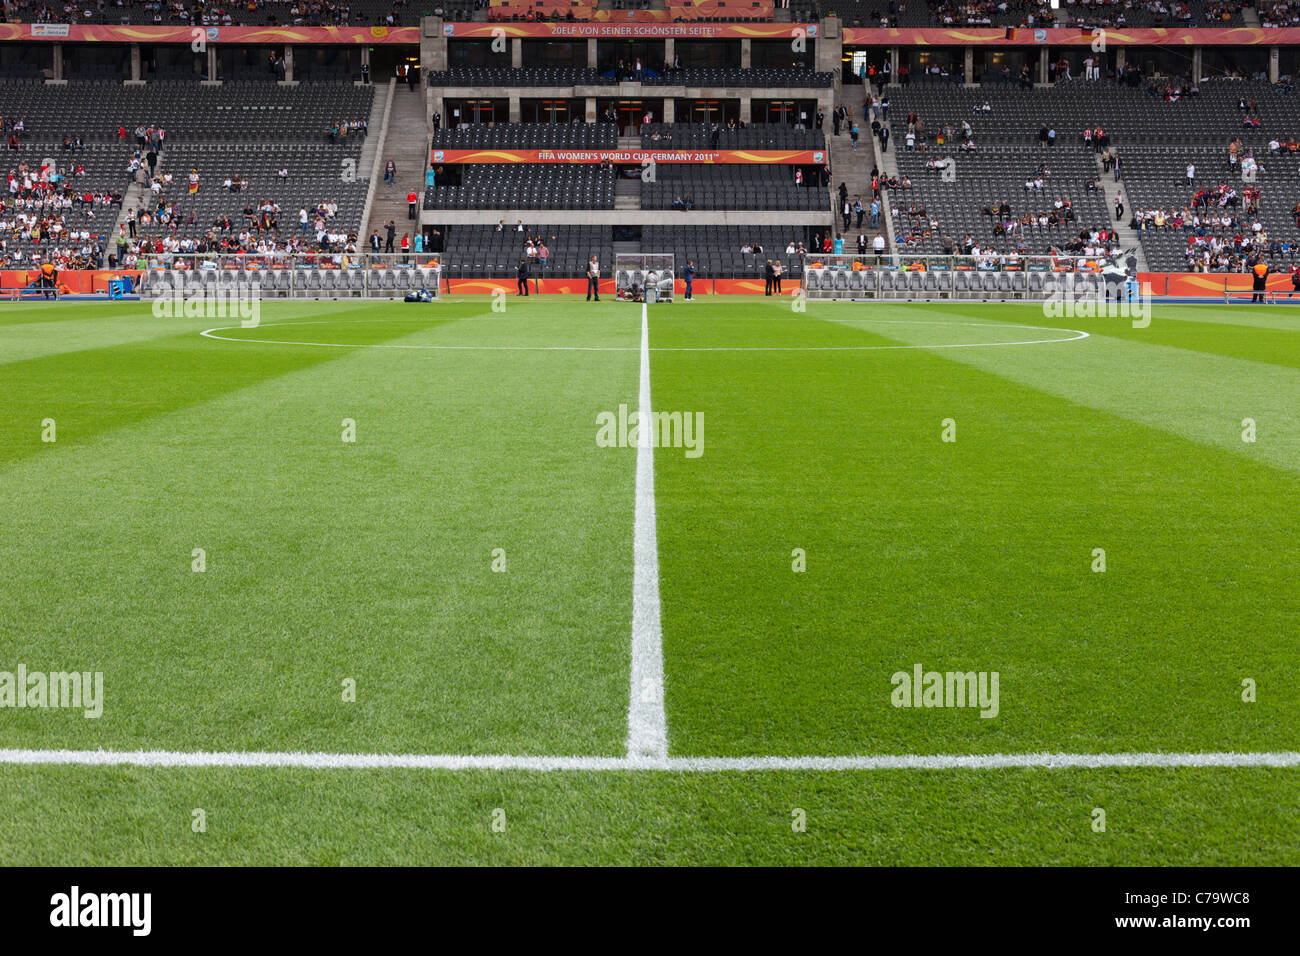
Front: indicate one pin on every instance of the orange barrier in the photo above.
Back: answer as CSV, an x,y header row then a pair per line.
x,y
78,281
1208,284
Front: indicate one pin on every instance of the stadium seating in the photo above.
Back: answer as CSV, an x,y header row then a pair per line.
x,y
985,178
532,186
103,176
729,187
527,136
253,114
314,177
769,78
523,77
754,136
482,251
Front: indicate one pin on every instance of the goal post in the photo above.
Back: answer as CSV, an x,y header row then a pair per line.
x,y
645,276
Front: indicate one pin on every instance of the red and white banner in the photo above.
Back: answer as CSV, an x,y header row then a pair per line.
x,y
790,157
1058,36
599,30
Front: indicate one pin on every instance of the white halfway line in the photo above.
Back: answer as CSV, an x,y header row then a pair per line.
x,y
336,761
647,726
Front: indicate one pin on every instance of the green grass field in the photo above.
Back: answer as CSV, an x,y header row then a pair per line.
x,y
468,563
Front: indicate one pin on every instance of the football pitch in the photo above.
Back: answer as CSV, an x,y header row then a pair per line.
x,y
379,583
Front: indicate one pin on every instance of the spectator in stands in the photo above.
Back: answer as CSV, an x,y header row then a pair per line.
x,y
411,199
390,173
391,231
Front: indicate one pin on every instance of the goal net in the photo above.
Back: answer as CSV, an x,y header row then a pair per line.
x,y
644,276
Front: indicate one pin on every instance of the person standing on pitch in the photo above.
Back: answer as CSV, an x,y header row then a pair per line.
x,y
1259,283
522,272
689,274
593,279
777,269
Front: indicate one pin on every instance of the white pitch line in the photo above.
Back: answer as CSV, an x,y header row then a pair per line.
x,y
1075,335
647,727
462,762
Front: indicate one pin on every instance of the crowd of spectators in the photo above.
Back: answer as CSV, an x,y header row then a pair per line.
x,y
47,213
310,13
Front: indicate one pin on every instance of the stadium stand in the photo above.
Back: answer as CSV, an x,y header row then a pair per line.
x,y
988,202
68,219
531,186
94,134
489,251
752,78
262,13
1155,129
475,77
527,136
755,136
728,187
981,169
252,113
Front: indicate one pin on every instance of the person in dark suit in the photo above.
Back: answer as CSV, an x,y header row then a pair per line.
x,y
522,273
391,230
769,278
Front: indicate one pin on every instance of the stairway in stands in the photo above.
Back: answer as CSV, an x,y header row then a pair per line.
x,y
848,165
406,143
627,193
1128,236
